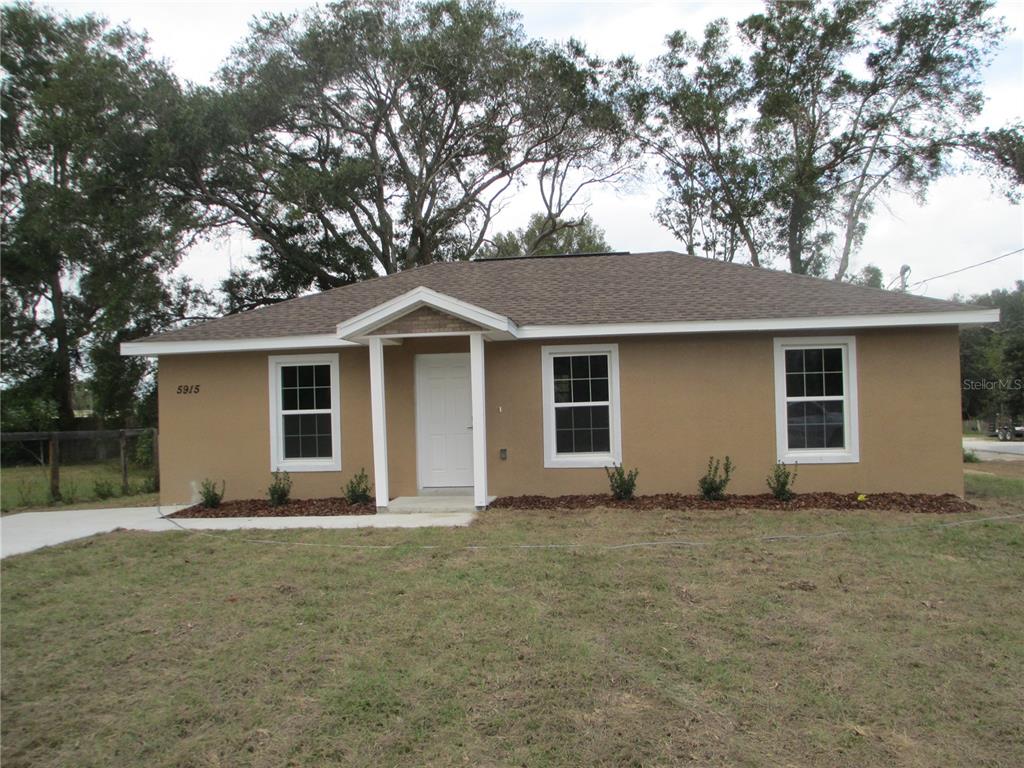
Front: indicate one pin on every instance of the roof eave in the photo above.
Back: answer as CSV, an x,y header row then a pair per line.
x,y
496,331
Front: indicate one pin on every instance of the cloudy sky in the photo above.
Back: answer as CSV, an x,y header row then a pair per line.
x,y
961,223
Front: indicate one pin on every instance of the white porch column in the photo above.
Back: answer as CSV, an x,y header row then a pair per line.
x,y
378,416
476,378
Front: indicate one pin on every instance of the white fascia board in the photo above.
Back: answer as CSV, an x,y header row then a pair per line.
x,y
956,317
155,348
424,297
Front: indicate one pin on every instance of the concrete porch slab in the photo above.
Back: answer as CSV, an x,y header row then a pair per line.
x,y
431,504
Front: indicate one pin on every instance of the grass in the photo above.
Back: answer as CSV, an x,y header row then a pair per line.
x,y
27,488
292,648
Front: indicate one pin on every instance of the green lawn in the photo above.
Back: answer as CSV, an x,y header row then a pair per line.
x,y
353,648
28,487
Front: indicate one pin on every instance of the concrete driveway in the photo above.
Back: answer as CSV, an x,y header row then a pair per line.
x,y
993,450
27,531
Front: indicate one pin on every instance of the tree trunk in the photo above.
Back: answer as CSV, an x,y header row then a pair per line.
x,y
63,383
795,226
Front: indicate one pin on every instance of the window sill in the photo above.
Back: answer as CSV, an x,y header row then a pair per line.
x,y
820,457
309,465
581,461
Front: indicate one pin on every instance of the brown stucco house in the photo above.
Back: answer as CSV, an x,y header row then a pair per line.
x,y
529,376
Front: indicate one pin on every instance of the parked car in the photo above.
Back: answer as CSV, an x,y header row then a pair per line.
x,y
1010,432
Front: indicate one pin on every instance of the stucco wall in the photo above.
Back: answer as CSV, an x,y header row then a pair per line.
x,y
683,398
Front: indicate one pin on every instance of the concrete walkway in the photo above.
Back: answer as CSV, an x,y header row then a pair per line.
x,y
27,531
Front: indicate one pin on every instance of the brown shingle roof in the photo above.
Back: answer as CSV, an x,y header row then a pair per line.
x,y
662,286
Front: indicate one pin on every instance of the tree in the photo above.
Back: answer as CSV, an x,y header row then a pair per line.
x,y
372,137
830,108
88,233
995,355
538,238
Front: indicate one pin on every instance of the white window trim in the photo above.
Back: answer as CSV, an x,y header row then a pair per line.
x,y
553,460
851,421
277,460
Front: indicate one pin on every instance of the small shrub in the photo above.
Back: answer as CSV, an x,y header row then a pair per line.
x,y
712,485
780,481
104,489
146,485
357,490
209,496
622,483
144,450
970,457
69,491
280,489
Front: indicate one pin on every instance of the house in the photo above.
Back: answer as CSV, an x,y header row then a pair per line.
x,y
529,376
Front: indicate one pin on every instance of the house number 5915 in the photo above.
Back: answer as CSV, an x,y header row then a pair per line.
x,y
188,389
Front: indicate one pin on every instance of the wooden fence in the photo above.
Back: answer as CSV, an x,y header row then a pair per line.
x,y
54,440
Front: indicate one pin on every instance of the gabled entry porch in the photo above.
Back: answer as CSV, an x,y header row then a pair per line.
x,y
449,446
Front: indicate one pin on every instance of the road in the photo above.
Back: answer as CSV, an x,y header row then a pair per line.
x,y
993,450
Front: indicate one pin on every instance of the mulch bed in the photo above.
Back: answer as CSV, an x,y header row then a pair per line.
x,y
901,502
294,508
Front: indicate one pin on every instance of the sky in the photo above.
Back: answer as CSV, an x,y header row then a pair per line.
x,y
962,221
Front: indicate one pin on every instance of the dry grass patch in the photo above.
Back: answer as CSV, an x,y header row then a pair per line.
x,y
884,647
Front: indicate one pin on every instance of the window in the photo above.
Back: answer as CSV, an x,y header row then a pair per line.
x,y
816,400
581,406
305,433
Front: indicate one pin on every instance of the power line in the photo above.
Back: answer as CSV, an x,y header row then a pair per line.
x,y
964,269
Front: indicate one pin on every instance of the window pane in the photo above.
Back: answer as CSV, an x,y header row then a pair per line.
x,y
581,418
813,360
305,375
599,416
582,441
599,366
833,384
563,367
292,426
563,391
323,423
796,438
581,391
563,441
323,397
815,436
289,376
581,367
289,399
602,440
322,375
794,361
833,359
814,385
306,401
291,447
563,418
794,385
307,424
599,389
323,446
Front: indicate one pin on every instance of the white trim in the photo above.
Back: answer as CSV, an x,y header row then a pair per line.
x,y
384,313
551,459
312,341
955,317
277,460
478,388
378,415
851,426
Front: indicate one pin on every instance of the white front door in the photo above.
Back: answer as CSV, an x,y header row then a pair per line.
x,y
444,421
